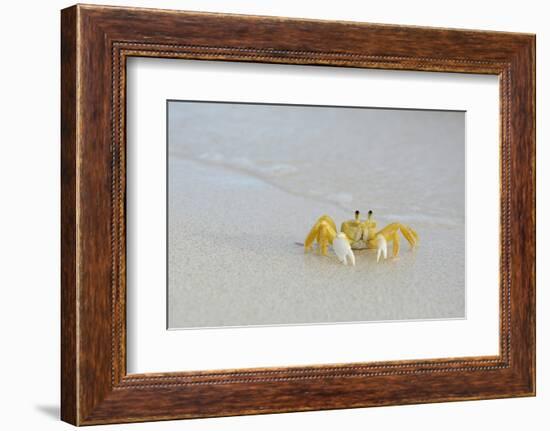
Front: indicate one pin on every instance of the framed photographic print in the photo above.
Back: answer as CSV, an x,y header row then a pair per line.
x,y
264,215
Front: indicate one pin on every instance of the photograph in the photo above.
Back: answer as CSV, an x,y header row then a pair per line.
x,y
275,215
282,214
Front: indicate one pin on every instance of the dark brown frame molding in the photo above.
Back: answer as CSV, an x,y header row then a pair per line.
x,y
95,43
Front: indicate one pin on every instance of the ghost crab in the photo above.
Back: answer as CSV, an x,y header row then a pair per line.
x,y
357,234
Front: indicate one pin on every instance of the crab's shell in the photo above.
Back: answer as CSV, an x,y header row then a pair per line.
x,y
359,232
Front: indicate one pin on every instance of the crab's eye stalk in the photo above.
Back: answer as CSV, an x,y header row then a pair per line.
x,y
356,214
370,214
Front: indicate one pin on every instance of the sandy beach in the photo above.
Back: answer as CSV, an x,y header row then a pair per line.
x,y
241,197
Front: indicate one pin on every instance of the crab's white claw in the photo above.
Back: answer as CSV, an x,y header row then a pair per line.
x,y
382,247
351,257
343,249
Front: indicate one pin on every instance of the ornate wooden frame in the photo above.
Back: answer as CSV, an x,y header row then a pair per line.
x,y
95,42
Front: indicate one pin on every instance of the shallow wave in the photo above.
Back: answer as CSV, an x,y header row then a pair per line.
x,y
295,180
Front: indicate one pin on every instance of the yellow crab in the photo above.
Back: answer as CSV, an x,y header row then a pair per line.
x,y
357,234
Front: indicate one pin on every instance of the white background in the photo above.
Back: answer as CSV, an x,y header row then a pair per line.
x,y
152,349
29,228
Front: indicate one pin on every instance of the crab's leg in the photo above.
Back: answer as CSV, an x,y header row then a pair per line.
x,y
311,236
391,231
396,240
410,235
325,236
324,231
